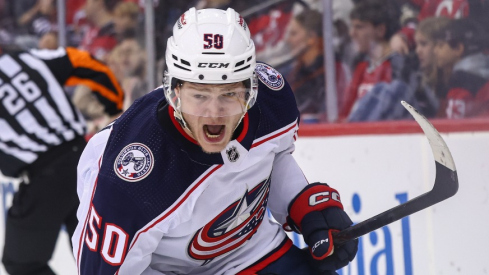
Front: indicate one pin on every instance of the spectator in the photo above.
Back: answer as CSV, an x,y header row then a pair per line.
x,y
128,59
341,21
426,79
305,40
416,86
6,23
37,20
403,41
99,35
126,19
372,25
343,45
459,53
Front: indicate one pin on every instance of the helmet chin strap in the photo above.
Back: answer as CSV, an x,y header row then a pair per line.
x,y
239,121
242,116
179,117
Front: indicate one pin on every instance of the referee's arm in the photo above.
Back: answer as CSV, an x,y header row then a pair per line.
x,y
78,67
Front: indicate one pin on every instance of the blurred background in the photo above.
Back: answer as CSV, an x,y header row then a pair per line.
x,y
347,61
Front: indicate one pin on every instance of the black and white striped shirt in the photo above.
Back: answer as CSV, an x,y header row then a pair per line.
x,y
35,112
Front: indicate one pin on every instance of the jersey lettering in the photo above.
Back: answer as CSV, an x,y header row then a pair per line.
x,y
114,244
21,85
10,99
213,40
27,88
92,240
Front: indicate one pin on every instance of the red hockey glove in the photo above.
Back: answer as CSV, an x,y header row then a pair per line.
x,y
316,212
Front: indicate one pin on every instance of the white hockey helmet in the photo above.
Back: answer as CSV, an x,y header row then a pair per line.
x,y
211,46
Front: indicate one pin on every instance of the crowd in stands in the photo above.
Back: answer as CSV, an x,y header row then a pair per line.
x,y
435,58
434,54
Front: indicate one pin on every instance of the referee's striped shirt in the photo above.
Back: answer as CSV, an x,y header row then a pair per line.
x,y
35,112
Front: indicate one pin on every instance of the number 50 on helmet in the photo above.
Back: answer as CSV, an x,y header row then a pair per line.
x,y
211,46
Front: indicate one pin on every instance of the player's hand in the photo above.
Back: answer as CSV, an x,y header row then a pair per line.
x,y
325,257
316,212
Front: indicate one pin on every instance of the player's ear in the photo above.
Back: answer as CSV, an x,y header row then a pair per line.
x,y
178,88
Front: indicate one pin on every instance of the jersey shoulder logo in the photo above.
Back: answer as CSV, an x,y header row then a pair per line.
x,y
134,162
269,76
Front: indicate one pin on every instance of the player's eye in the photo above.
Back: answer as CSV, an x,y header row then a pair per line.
x,y
230,94
199,96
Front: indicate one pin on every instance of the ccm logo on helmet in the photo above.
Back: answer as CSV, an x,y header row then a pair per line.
x,y
321,197
213,65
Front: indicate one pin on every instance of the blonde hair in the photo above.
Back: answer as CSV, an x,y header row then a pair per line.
x,y
129,9
429,28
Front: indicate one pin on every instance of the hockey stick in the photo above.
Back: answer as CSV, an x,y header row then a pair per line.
x,y
446,185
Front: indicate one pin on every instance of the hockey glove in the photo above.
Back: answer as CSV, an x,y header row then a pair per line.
x,y
316,212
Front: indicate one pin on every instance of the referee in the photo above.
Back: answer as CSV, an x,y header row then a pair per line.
x,y
41,139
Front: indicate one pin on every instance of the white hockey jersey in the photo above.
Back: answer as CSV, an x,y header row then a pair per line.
x,y
152,202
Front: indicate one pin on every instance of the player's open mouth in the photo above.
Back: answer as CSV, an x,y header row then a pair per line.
x,y
214,133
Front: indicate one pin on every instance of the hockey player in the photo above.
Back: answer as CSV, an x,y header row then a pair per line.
x,y
181,182
42,135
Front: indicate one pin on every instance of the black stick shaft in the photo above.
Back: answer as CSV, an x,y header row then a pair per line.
x,y
446,185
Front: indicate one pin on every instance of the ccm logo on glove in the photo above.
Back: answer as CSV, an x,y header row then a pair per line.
x,y
319,243
321,197
314,197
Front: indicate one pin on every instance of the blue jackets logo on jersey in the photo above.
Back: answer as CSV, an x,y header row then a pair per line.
x,y
269,76
134,162
232,227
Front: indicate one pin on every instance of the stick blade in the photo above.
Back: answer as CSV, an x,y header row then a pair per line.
x,y
446,181
446,185
440,149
